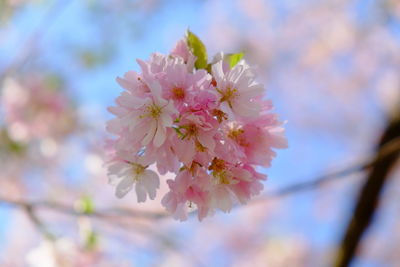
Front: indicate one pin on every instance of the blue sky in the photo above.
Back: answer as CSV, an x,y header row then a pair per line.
x,y
308,155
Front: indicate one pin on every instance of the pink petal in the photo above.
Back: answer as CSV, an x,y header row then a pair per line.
x,y
207,140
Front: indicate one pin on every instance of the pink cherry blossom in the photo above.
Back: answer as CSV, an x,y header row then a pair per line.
x,y
237,89
36,109
180,86
210,129
145,118
196,134
189,188
253,141
225,177
164,156
182,50
124,174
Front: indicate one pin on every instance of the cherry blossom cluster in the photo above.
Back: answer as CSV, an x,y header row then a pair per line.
x,y
36,107
208,123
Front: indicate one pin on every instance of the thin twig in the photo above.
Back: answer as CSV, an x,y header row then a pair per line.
x,y
38,222
70,210
388,150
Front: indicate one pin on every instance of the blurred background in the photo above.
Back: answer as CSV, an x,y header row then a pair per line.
x,y
330,67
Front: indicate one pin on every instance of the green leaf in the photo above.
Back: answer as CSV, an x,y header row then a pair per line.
x,y
198,49
85,205
209,66
91,241
233,59
9,145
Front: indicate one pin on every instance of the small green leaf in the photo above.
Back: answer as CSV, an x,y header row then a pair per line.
x,y
209,68
233,59
9,145
198,49
91,241
85,205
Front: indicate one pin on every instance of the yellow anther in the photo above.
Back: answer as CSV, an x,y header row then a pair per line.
x,y
237,136
228,95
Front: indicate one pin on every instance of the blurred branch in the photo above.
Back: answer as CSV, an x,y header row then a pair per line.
x,y
37,222
369,195
70,210
389,150
113,215
31,213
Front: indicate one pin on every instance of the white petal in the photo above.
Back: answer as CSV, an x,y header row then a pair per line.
x,y
130,101
224,201
252,91
224,106
250,109
185,151
180,212
151,132
139,130
124,186
134,125
160,135
124,83
114,126
118,111
242,174
278,138
166,120
140,192
155,89
235,74
131,76
151,182
117,167
218,57
144,66
169,202
218,72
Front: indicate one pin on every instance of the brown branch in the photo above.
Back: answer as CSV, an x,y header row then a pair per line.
x,y
30,212
112,215
387,151
369,195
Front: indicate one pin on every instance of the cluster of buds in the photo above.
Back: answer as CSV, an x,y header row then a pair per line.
x,y
208,123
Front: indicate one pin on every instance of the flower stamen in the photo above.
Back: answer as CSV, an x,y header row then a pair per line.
x,y
228,95
178,93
